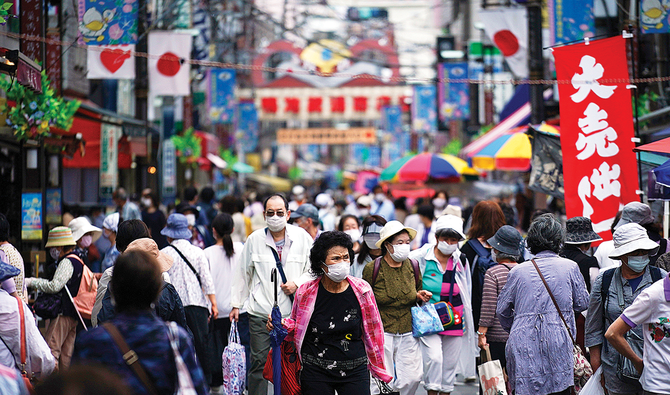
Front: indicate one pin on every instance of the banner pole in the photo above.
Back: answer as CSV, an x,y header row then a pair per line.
x,y
631,37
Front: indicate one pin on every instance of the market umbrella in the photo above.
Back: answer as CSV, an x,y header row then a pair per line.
x,y
426,166
277,335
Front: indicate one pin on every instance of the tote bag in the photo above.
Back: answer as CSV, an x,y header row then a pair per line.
x,y
234,364
425,320
491,376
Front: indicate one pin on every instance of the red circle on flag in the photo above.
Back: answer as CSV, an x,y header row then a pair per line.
x,y
507,42
168,64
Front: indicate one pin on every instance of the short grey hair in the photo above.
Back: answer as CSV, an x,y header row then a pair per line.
x,y
545,233
502,256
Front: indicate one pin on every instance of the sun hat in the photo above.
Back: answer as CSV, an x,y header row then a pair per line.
x,y
323,200
453,210
60,236
507,240
450,222
364,201
177,227
391,229
111,222
80,226
629,238
306,210
149,245
635,213
579,230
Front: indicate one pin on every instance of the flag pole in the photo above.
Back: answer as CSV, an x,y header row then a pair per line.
x,y
630,36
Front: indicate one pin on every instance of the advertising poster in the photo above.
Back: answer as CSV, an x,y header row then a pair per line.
x,y
453,97
31,216
54,212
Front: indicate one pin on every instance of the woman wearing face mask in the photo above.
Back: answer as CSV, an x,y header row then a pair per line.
x,y
349,224
153,217
440,202
336,324
613,291
446,274
372,225
396,281
85,234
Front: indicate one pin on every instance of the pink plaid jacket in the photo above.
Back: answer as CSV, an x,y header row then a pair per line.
x,y
373,329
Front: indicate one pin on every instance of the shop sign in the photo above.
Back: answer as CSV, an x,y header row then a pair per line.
x,y
54,199
169,169
109,165
31,216
28,74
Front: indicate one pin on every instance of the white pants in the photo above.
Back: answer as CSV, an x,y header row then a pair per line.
x,y
403,362
440,358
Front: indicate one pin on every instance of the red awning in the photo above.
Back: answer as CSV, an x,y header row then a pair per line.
x,y
661,146
90,131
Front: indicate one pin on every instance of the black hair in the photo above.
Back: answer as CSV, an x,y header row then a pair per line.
x,y
545,233
227,204
388,240
377,188
91,378
448,233
207,194
120,194
129,231
136,281
344,218
426,210
364,251
223,224
190,193
265,202
321,246
154,198
4,228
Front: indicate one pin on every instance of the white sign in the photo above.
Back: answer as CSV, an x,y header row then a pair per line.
x,y
109,159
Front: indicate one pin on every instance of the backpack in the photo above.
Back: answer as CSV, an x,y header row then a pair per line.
x,y
482,260
415,268
608,275
88,288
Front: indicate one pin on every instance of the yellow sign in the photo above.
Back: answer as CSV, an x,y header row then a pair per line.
x,y
330,136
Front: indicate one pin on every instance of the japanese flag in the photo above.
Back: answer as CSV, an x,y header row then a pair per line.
x,y
508,29
114,62
168,63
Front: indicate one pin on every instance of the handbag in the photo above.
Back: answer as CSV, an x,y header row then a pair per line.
x,y
491,377
234,364
582,367
48,305
290,369
425,320
184,382
445,310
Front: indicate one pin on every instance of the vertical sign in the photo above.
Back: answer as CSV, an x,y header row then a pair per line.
x,y
599,167
54,199
107,22
221,95
247,126
570,20
31,18
169,169
109,164
654,16
31,216
453,97
424,113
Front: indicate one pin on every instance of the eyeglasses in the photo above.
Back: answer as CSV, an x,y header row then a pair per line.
x,y
272,213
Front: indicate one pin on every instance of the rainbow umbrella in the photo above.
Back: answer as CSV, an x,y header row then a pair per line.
x,y
426,166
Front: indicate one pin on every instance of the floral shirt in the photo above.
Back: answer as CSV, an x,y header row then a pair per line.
x,y
183,278
15,259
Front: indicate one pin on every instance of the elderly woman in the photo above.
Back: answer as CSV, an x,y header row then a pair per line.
x,y
369,251
336,324
396,282
614,290
446,273
507,248
539,348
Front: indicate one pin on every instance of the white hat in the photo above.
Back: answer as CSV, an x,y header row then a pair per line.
x,y
80,226
111,222
364,200
391,229
450,222
323,200
631,237
453,210
298,190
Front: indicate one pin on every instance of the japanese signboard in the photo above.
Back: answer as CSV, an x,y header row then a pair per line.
x,y
109,167
570,20
599,168
453,97
108,22
169,170
54,202
31,216
424,109
221,95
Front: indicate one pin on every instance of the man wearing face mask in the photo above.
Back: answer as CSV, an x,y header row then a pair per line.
x,y
84,234
381,204
278,245
307,217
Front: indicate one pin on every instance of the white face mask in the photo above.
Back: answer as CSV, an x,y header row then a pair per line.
x,y
190,218
439,202
371,240
275,223
494,255
400,252
146,202
355,234
338,271
55,254
446,248
364,212
380,197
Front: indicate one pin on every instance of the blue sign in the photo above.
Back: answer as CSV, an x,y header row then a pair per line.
x,y
424,109
222,96
31,216
453,97
654,16
247,126
570,20
108,22
392,119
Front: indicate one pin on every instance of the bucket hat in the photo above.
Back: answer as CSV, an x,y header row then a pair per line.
x,y
579,230
149,245
507,240
60,236
306,210
453,210
391,229
629,238
635,213
111,222
177,227
80,226
450,222
364,201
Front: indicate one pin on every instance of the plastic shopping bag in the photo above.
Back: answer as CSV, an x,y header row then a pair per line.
x,y
425,320
593,386
234,364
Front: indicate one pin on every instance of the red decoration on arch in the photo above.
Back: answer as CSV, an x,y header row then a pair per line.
x,y
383,101
269,104
314,104
337,104
404,105
360,104
292,105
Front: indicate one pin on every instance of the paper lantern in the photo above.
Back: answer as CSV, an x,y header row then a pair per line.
x,y
292,105
314,104
383,101
269,104
337,104
360,104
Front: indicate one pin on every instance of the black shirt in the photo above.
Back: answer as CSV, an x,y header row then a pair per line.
x,y
582,260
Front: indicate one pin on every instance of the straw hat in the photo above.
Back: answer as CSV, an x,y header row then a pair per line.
x,y
391,229
60,236
80,226
629,238
149,245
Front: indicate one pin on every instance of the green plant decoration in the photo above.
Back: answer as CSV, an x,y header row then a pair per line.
x,y
228,156
35,113
188,146
453,148
643,105
4,12
294,173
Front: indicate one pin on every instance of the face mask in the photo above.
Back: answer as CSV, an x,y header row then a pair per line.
x,y
638,263
146,202
439,202
86,241
275,223
355,234
493,256
364,212
371,239
55,254
339,271
400,252
380,197
446,248
190,218
106,233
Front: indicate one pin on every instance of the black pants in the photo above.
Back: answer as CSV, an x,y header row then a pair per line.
x,y
196,319
315,381
498,352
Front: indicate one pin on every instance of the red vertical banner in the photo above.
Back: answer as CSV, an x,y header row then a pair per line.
x,y
599,166
53,63
31,24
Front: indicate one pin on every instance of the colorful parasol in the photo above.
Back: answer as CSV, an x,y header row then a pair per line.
x,y
427,166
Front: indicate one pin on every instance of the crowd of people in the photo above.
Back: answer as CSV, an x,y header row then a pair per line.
x,y
172,280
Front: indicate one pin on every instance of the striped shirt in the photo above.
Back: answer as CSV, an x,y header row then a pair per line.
x,y
494,281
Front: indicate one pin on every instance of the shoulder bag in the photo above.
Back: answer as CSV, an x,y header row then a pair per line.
x,y
582,367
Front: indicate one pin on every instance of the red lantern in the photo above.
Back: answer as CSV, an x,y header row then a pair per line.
x,y
314,104
383,101
269,104
292,105
360,104
337,104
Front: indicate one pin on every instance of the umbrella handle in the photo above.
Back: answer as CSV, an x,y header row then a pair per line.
x,y
273,278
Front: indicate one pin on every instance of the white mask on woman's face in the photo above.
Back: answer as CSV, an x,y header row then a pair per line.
x,y
446,248
355,234
400,252
338,271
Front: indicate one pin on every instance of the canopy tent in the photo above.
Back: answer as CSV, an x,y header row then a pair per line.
x,y
662,146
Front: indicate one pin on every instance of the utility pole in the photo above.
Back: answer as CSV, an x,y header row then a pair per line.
x,y
535,61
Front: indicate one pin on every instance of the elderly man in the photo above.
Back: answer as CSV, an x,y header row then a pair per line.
x,y
126,208
307,217
281,246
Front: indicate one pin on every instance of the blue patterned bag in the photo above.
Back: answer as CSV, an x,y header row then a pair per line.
x,y
234,364
425,320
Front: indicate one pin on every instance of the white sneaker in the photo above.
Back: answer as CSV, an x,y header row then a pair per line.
x,y
218,390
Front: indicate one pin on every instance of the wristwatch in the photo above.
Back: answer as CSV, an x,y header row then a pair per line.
x,y
481,334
